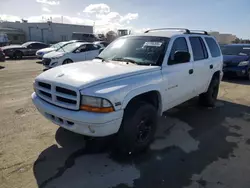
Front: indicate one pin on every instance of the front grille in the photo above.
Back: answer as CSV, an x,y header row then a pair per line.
x,y
46,61
63,96
66,91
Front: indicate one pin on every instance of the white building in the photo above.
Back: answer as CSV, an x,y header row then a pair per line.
x,y
48,32
223,38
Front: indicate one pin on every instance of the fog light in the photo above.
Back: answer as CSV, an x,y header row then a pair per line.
x,y
243,71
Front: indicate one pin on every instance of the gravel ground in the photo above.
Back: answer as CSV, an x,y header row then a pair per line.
x,y
194,146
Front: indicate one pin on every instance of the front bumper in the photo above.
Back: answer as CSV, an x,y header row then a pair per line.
x,y
236,71
82,122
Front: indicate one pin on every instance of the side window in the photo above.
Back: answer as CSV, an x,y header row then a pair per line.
x,y
91,47
35,46
82,48
180,44
199,48
213,47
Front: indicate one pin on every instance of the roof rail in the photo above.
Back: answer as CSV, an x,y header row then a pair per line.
x,y
186,31
199,32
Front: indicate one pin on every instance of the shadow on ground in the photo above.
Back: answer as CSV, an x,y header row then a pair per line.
x,y
24,58
237,80
2,67
189,139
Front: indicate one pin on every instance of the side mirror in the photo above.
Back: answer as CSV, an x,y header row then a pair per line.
x,y
181,57
77,51
100,51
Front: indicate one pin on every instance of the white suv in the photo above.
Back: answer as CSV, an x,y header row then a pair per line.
x,y
132,82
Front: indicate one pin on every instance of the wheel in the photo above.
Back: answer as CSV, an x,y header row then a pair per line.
x,y
209,98
138,128
248,74
18,55
67,61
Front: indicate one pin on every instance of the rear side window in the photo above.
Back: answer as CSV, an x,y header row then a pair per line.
x,y
180,44
199,48
213,47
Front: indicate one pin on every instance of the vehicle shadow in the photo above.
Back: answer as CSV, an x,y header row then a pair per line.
x,y
236,80
39,62
24,58
2,67
188,139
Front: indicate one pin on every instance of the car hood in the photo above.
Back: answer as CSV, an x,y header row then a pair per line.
x,y
46,50
12,47
54,54
235,59
89,73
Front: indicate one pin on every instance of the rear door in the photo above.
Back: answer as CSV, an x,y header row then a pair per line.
x,y
178,78
201,62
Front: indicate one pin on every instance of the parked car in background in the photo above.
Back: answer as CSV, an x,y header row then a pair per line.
x,y
54,47
2,55
102,44
26,49
86,37
132,82
73,52
236,60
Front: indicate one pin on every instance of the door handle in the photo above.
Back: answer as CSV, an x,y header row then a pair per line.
x,y
211,66
191,71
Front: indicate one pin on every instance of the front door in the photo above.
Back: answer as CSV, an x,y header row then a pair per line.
x,y
178,77
79,54
92,51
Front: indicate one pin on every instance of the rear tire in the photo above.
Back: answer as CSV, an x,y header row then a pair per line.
x,y
67,61
210,97
138,128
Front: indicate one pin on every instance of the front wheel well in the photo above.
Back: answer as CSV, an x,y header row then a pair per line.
x,y
216,75
151,97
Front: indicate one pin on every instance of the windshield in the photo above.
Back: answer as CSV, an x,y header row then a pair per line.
x,y
144,50
235,50
58,45
69,47
26,44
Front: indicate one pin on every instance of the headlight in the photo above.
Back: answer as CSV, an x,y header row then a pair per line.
x,y
96,104
243,63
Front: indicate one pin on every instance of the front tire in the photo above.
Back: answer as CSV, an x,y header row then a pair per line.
x,y
67,61
210,97
138,128
18,55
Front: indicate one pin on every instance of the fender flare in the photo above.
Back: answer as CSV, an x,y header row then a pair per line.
x,y
142,90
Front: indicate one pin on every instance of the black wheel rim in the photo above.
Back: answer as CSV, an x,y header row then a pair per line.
x,y
144,130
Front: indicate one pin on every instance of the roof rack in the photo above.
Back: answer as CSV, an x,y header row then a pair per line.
x,y
199,32
165,29
186,31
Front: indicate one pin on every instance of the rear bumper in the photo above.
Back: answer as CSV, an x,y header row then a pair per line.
x,y
236,71
82,122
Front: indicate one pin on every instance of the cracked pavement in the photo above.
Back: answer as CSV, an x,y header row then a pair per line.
x,y
194,147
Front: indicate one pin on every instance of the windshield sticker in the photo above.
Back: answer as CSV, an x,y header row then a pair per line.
x,y
155,44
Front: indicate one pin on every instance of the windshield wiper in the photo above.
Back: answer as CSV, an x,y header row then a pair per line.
x,y
125,59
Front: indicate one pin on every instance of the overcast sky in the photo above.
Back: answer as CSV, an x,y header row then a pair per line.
x,y
228,16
